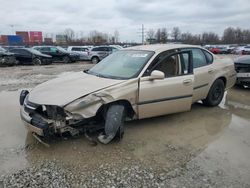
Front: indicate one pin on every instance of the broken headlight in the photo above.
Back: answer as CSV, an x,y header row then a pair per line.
x,y
23,95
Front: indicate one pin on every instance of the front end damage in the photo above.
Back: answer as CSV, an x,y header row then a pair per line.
x,y
83,115
45,121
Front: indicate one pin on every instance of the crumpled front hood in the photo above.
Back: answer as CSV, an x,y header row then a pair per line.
x,y
63,90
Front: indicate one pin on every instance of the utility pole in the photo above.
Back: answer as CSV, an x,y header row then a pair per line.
x,y
142,33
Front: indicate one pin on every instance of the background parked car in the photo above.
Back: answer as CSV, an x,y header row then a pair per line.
x,y
223,50
7,58
214,50
242,67
58,53
242,50
246,50
31,56
81,50
98,53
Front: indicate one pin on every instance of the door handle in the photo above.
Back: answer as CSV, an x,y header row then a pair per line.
x,y
187,82
210,71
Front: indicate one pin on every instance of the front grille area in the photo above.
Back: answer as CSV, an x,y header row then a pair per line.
x,y
242,68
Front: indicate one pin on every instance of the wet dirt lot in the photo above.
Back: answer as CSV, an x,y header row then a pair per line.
x,y
205,147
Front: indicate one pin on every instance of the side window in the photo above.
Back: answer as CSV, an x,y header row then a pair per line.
x,y
15,51
185,63
44,49
96,49
53,49
24,52
76,49
170,66
199,58
105,49
157,60
209,57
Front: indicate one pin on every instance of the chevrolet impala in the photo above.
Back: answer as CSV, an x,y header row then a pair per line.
x,y
133,83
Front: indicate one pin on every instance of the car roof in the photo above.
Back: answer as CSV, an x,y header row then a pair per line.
x,y
42,46
161,47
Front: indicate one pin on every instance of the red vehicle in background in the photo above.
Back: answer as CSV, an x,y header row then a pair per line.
x,y
215,50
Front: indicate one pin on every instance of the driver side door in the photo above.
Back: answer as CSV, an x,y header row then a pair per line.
x,y
171,94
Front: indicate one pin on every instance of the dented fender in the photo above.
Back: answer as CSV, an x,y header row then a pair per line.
x,y
89,105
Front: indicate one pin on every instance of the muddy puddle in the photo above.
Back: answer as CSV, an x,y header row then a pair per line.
x,y
219,135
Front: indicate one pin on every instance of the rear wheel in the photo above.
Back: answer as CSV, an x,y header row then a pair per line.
x,y
36,61
215,94
66,59
114,124
95,60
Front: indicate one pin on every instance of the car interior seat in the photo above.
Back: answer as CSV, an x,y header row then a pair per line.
x,y
169,67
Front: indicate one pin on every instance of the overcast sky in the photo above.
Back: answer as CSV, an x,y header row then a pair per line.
x,y
126,16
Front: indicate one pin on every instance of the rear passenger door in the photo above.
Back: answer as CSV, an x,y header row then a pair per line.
x,y
203,73
104,52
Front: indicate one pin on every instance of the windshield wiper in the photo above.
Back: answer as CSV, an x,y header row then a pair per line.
x,y
92,73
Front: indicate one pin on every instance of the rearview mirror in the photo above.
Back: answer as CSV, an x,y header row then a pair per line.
x,y
157,75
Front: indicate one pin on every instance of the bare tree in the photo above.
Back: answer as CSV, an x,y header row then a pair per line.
x,y
150,34
210,38
164,35
70,34
229,36
158,35
189,38
96,37
176,33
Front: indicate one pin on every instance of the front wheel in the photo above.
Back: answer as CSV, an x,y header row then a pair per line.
x,y
66,59
215,94
95,60
36,61
114,122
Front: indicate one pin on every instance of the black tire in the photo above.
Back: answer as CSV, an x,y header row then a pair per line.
x,y
66,59
36,61
114,124
95,60
215,94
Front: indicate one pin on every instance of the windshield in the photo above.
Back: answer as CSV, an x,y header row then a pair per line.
x,y
61,49
2,49
122,64
34,51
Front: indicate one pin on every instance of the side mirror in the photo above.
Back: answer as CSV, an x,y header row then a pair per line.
x,y
157,75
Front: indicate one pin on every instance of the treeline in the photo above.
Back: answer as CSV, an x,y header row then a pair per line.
x,y
230,36
94,37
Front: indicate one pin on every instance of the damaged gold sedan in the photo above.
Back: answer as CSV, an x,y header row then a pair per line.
x,y
134,83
